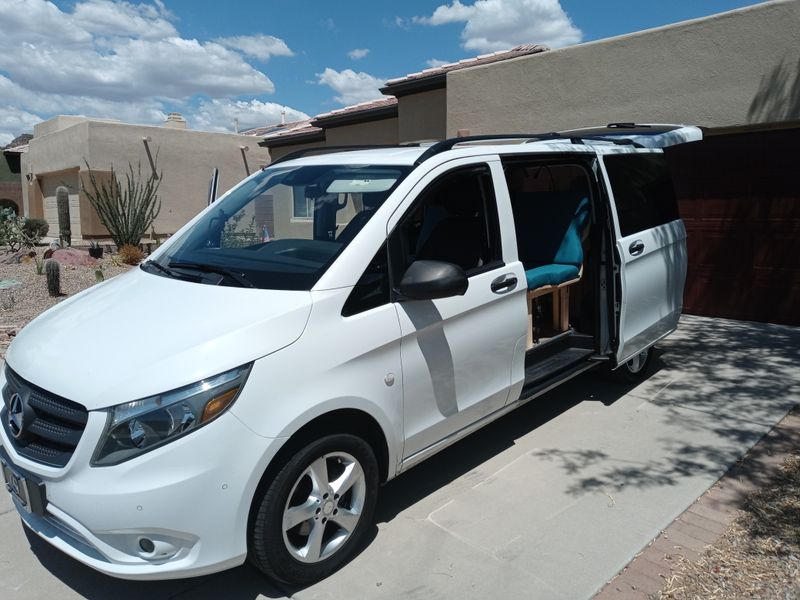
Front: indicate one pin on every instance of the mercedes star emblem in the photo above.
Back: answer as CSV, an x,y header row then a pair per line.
x,y
16,415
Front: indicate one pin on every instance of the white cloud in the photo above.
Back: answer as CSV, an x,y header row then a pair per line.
x,y
435,62
118,59
258,46
492,25
21,110
218,115
357,53
124,19
120,68
14,121
351,87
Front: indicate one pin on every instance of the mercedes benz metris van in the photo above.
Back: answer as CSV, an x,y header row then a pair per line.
x,y
330,322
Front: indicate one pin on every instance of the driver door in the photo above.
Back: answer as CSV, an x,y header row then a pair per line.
x,y
457,352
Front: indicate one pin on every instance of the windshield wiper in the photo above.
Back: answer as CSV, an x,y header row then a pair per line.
x,y
237,277
162,268
166,271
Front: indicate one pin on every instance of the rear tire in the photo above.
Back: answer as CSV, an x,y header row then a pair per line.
x,y
636,369
313,516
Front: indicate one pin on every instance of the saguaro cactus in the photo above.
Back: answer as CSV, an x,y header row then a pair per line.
x,y
62,203
53,271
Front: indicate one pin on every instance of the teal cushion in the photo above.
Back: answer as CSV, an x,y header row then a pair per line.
x,y
550,275
570,251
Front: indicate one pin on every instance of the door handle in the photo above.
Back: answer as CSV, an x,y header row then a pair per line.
x,y
636,248
504,283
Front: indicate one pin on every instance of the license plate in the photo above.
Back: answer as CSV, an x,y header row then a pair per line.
x,y
29,494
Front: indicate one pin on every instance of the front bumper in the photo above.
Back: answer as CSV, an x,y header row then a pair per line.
x,y
190,498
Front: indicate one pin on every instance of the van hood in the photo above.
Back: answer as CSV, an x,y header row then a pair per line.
x,y
140,334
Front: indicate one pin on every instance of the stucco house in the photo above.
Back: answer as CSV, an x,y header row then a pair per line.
x,y
61,148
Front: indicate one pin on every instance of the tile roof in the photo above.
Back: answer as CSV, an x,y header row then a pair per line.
x,y
483,59
285,130
358,108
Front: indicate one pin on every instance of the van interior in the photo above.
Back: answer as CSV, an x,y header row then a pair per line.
x,y
555,218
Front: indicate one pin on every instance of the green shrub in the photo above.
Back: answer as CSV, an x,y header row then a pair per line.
x,y
18,232
35,229
8,220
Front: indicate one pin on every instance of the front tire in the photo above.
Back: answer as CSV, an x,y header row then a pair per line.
x,y
314,515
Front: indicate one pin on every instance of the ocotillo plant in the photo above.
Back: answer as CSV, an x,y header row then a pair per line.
x,y
53,272
64,228
126,211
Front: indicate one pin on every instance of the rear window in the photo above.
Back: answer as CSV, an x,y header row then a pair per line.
x,y
643,191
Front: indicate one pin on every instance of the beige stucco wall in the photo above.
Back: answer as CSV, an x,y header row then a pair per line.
x,y
282,151
60,122
185,157
383,131
422,116
730,69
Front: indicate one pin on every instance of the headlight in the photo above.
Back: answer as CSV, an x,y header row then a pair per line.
x,y
140,426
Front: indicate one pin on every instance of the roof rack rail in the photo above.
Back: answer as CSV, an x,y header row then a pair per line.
x,y
448,144
617,141
444,145
326,150
525,138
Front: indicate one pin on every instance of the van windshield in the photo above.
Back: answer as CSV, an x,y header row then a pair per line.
x,y
280,229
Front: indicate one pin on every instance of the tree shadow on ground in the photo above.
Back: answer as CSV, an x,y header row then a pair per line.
x,y
727,382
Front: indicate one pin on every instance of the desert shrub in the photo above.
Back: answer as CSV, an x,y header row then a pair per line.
x,y
7,221
128,210
35,229
130,254
15,231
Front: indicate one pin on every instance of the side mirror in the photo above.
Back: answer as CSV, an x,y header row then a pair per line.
x,y
431,279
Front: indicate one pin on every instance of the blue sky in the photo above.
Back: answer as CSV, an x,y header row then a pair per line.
x,y
251,59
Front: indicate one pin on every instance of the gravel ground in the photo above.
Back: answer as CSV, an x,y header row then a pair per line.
x,y
20,305
758,556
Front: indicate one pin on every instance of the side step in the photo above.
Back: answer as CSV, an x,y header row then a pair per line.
x,y
552,365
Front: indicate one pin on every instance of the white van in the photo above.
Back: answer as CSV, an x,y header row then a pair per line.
x,y
329,323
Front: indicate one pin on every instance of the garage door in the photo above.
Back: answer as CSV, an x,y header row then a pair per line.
x,y
740,199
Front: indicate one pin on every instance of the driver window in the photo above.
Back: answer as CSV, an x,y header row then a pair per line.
x,y
454,220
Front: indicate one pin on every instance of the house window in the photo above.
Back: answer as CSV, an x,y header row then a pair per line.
x,y
302,207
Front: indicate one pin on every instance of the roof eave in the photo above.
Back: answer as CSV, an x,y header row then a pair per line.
x,y
416,85
363,116
291,140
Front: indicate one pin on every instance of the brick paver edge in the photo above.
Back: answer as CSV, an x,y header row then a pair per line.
x,y
706,518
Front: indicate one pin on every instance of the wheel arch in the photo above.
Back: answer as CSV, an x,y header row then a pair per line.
x,y
344,420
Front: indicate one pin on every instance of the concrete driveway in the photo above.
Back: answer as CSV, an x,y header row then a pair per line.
x,y
549,502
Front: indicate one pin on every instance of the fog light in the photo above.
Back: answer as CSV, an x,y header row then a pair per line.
x,y
147,546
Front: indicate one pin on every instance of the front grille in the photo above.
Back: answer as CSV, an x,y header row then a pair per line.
x,y
52,425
